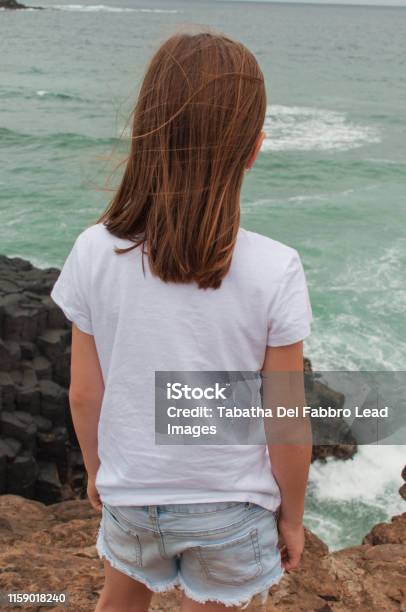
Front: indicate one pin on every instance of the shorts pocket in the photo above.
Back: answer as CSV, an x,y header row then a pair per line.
x,y
233,562
122,542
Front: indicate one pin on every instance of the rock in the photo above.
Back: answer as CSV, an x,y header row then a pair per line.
x,y
11,298
21,476
55,317
7,358
61,368
6,285
34,336
42,367
402,490
48,487
67,491
21,323
388,533
30,378
339,451
53,342
373,577
76,471
40,566
23,516
14,264
17,377
28,350
53,444
7,391
18,425
3,467
366,577
10,447
14,5
69,510
28,399
44,548
36,280
339,441
77,535
54,401
43,424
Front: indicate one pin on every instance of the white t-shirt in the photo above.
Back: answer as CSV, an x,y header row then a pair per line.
x,y
141,325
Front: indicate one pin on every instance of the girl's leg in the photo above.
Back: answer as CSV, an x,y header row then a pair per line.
x,y
122,593
188,605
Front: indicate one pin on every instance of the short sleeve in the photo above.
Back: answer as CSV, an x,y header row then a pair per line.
x,y
290,314
70,291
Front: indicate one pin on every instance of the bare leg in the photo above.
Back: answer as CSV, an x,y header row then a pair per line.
x,y
188,605
122,593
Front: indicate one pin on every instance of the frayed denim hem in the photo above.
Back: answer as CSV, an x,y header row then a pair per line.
x,y
156,588
242,603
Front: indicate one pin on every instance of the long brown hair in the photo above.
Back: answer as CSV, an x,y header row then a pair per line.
x,y
198,116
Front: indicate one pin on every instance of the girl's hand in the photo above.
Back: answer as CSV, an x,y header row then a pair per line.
x,y
292,536
93,495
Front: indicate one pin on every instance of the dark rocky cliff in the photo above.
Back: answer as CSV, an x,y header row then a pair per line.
x,y
12,5
37,441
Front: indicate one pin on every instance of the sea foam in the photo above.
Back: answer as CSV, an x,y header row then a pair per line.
x,y
375,470
296,128
346,497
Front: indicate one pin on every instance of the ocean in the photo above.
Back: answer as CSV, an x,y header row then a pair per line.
x,y
329,181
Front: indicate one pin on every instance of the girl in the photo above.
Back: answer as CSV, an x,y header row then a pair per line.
x,y
166,279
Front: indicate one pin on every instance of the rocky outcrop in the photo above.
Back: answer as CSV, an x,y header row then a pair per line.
x,y
39,456
52,548
366,577
340,442
11,4
37,440
388,533
402,490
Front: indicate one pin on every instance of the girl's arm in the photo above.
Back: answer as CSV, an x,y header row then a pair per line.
x,y
85,397
289,443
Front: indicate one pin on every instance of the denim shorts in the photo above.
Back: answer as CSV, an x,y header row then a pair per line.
x,y
225,552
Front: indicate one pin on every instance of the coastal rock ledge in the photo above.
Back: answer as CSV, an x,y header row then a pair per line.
x,y
51,548
13,5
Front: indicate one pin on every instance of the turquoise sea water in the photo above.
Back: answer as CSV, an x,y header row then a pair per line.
x,y
330,179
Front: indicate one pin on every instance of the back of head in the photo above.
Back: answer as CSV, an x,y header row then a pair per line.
x,y
200,111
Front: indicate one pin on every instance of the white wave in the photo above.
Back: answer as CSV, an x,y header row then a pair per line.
x,y
41,93
100,8
347,498
382,273
390,162
296,128
309,198
372,476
